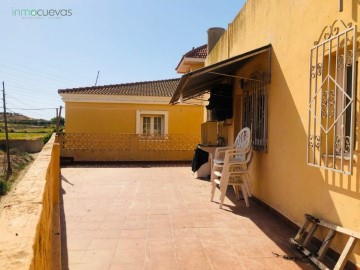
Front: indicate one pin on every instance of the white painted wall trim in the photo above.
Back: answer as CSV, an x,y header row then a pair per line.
x,y
186,62
114,99
194,60
151,112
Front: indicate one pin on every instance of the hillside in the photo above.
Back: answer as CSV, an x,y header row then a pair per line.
x,y
17,117
24,127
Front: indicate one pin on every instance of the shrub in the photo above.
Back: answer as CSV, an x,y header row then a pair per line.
x,y
47,137
4,187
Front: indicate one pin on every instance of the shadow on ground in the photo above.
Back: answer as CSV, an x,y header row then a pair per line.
x,y
127,164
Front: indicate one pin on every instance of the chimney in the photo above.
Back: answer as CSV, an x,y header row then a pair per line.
x,y
214,35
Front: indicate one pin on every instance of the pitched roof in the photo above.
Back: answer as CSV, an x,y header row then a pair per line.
x,y
199,52
161,88
196,54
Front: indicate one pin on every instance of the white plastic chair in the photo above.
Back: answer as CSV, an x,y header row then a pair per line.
x,y
234,173
242,141
230,167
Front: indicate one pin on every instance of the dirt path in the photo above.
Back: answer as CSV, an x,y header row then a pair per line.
x,y
20,176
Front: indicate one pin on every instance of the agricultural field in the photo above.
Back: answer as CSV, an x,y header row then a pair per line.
x,y
21,127
25,131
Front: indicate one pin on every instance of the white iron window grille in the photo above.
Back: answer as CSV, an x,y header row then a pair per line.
x,y
331,106
255,110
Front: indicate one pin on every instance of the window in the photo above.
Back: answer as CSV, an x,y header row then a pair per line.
x,y
146,125
158,130
331,106
152,123
343,96
254,113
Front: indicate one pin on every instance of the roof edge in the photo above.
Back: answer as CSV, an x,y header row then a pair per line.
x,y
114,85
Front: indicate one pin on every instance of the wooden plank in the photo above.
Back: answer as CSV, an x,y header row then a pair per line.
x,y
306,252
314,223
326,244
300,235
339,229
346,253
310,234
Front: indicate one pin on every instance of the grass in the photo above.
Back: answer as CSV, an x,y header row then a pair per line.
x,y
4,187
25,131
23,136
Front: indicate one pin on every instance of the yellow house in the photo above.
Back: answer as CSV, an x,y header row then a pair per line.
x,y
291,69
131,121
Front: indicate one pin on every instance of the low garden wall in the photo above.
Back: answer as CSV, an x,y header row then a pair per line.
x,y
128,147
29,222
29,146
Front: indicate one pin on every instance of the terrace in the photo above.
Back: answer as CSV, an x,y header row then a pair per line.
x,y
147,215
159,216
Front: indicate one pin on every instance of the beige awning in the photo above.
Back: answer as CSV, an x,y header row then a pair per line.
x,y
198,82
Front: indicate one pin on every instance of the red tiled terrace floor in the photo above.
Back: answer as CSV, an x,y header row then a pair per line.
x,y
160,217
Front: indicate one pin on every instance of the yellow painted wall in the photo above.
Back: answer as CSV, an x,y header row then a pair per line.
x,y
184,125
281,177
121,117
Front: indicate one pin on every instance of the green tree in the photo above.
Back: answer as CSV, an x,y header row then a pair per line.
x,y
62,121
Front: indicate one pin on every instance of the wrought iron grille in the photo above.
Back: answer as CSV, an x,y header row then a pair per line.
x,y
331,106
255,110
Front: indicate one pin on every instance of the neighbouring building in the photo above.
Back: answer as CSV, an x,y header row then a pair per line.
x,y
130,121
192,60
289,71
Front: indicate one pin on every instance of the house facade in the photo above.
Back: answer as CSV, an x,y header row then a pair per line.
x,y
292,70
131,121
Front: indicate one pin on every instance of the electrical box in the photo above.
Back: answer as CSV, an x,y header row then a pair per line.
x,y
209,133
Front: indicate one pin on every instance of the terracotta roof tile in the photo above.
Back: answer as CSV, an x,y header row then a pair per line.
x,y
199,52
161,88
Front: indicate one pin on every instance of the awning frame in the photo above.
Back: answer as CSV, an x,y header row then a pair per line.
x,y
217,70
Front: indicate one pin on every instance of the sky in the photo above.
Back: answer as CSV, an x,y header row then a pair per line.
x,y
126,40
